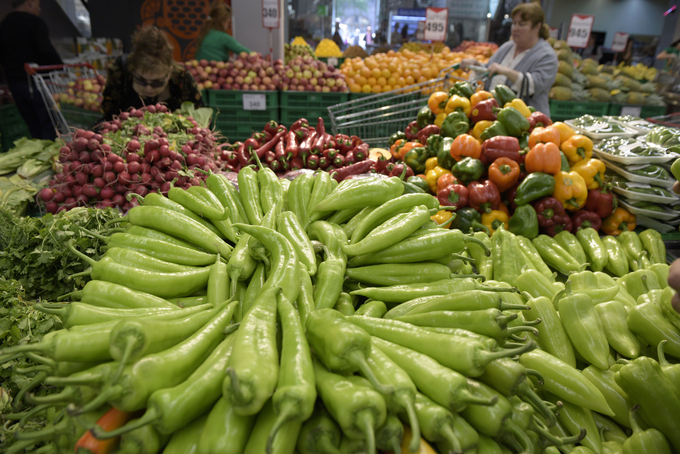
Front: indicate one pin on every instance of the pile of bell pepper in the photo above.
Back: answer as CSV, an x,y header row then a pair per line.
x,y
491,152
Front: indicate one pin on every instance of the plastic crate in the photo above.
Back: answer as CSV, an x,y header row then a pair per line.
x,y
565,110
234,131
12,126
340,60
77,117
653,111
228,106
301,104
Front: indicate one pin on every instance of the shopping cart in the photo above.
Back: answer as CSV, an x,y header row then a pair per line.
x,y
376,117
58,87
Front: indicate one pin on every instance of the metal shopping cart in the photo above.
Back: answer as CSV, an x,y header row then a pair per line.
x,y
375,117
65,99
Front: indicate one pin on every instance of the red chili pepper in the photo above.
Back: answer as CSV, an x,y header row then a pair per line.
x,y
361,152
381,164
275,165
313,162
285,166
552,219
483,196
338,161
252,144
349,157
602,201
453,195
301,134
271,127
356,141
329,154
269,157
269,145
330,142
259,137
280,150
411,130
426,132
243,155
306,146
296,163
484,110
354,169
399,169
323,162
301,123
538,119
500,147
291,144
584,219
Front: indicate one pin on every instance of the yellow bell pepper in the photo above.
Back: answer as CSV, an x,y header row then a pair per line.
x,y
479,128
519,105
493,220
566,131
592,171
443,216
458,103
571,190
437,101
576,148
433,175
439,119
430,164
619,221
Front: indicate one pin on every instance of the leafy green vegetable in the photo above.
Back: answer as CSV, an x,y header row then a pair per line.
x,y
23,150
16,194
202,115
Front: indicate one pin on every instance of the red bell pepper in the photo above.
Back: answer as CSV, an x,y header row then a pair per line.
x,y
411,131
399,169
426,132
483,196
453,195
538,119
484,110
500,147
552,219
602,201
583,219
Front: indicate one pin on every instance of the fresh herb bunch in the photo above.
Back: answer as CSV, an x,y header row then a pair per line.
x,y
33,250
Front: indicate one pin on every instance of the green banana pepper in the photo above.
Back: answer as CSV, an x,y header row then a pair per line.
x,y
593,247
647,321
503,94
632,245
614,316
654,245
444,159
617,262
569,242
434,144
455,124
586,282
555,255
513,121
644,441
639,282
524,222
419,182
425,117
468,170
496,129
416,158
534,186
469,219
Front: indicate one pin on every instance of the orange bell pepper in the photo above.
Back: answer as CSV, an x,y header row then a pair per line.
x,y
592,171
570,189
565,130
577,148
544,157
549,134
442,217
459,103
445,180
465,146
493,220
401,147
432,176
440,119
504,172
437,102
481,95
618,222
479,128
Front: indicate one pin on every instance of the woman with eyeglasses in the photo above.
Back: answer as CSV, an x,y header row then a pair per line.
x,y
213,42
148,76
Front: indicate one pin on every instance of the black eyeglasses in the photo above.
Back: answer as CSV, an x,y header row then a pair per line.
x,y
156,83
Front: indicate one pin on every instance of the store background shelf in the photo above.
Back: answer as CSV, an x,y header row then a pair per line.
x,y
12,126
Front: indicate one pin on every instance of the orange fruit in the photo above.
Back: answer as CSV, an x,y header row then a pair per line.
x,y
355,88
372,81
366,88
392,66
392,80
365,72
376,89
387,88
375,72
416,74
401,81
382,81
409,80
386,73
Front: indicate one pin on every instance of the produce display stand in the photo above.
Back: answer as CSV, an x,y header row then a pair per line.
x,y
12,126
50,82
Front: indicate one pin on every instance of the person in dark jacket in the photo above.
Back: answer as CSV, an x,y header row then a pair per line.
x,y
24,38
148,76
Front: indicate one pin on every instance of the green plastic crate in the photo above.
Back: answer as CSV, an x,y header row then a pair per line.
x,y
77,117
653,111
12,126
311,100
565,110
339,59
232,131
228,106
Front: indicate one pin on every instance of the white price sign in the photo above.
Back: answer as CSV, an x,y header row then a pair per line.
x,y
270,13
619,42
554,32
254,102
631,110
579,30
436,20
332,61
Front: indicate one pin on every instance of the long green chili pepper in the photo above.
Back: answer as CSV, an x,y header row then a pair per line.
x,y
489,343
617,399
305,300
249,191
93,376
288,225
137,230
212,209
284,268
186,439
255,285
551,334
574,417
400,273
134,259
271,191
361,192
404,293
160,201
340,345
162,370
353,403
284,443
353,223
611,432
373,308
319,434
223,225
241,264
298,196
331,273
437,425
218,282
226,432
169,285
320,190
389,435
613,315
226,193
145,440
76,313
343,216
295,392
80,395
469,301
344,305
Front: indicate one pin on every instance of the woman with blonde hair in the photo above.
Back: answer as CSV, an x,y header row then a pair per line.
x,y
213,42
148,75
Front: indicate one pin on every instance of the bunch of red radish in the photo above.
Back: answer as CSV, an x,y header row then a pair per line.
x,y
94,173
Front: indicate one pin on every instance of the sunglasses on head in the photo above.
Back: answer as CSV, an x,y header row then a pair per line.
x,y
155,83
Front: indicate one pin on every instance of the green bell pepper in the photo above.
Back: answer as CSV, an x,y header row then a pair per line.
x,y
468,170
565,163
524,222
503,94
419,182
425,117
534,186
515,123
444,159
462,89
496,129
396,136
434,143
455,124
416,158
468,219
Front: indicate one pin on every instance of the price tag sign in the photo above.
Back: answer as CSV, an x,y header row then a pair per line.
x,y
619,42
554,32
333,61
270,13
579,30
436,20
631,110
254,102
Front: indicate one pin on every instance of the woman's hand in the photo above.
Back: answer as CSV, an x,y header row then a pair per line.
x,y
495,68
674,282
467,62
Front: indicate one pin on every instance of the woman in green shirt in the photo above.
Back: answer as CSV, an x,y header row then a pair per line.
x,y
213,42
